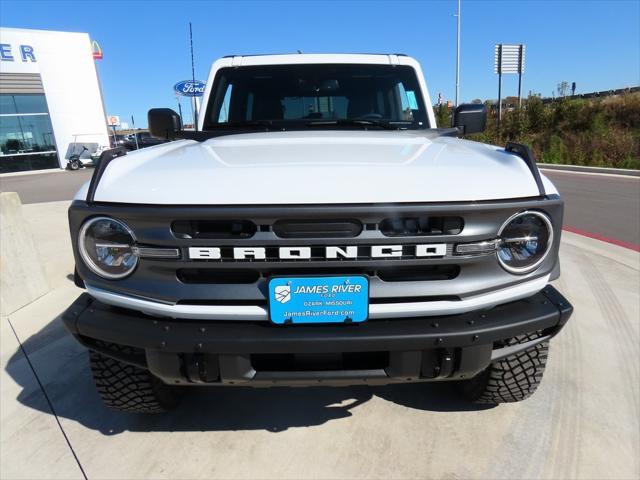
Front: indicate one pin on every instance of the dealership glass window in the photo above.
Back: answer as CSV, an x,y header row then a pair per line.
x,y
26,134
12,104
7,105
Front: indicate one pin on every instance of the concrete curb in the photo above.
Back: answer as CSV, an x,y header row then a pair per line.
x,y
22,276
32,172
582,169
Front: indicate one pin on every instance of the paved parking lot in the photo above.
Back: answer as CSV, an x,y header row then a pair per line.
x,y
46,187
582,423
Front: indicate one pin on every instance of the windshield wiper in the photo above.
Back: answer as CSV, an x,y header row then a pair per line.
x,y
358,122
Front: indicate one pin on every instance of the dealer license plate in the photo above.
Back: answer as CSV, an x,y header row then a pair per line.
x,y
306,300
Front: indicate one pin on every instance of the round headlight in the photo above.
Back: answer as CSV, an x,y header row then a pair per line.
x,y
107,247
525,240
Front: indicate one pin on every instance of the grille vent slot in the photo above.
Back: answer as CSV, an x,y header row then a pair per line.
x,y
213,229
421,226
419,274
216,276
317,228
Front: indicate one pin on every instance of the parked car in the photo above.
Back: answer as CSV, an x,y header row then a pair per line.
x,y
118,141
317,229
144,140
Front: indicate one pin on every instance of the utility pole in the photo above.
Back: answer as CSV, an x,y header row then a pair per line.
x,y
135,134
179,108
194,104
458,55
520,70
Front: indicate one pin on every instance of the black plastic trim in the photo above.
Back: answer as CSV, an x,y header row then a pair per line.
x,y
87,318
319,210
103,162
524,152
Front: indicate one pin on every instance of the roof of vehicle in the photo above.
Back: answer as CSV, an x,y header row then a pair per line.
x,y
301,53
310,58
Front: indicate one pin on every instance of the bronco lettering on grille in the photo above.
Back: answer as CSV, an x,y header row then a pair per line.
x,y
329,252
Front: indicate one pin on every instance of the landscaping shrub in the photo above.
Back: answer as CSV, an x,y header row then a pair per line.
x,y
594,132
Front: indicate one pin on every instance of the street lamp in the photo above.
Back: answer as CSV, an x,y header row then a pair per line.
x,y
458,54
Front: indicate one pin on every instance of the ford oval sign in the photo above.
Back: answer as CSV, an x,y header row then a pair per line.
x,y
190,88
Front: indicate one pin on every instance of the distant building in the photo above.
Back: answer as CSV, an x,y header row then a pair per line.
x,y
50,99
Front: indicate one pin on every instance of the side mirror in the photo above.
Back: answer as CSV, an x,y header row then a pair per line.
x,y
470,118
164,123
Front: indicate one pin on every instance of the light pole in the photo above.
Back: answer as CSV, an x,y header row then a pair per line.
x,y
194,104
179,108
458,54
135,134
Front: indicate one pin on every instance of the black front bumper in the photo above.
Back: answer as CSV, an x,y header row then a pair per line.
x,y
376,352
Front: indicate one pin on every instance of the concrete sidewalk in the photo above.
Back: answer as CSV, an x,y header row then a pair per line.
x,y
582,423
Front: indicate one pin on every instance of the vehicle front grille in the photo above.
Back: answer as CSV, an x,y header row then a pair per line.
x,y
433,271
308,229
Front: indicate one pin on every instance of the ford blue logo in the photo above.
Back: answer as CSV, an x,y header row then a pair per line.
x,y
190,88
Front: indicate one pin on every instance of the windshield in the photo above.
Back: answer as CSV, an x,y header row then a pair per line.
x,y
316,96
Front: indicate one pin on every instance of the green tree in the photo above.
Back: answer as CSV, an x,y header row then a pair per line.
x,y
443,116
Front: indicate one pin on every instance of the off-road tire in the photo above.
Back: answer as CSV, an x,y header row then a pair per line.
x,y
512,379
128,388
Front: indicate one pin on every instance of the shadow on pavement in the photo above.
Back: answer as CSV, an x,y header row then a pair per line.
x,y
62,366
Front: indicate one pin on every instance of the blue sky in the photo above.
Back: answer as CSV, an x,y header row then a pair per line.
x,y
146,49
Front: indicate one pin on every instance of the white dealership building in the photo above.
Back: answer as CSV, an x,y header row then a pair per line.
x,y
50,99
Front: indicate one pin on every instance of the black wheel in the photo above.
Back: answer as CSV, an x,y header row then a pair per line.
x,y
74,164
512,379
129,388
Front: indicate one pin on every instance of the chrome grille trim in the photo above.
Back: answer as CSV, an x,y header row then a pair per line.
x,y
152,252
252,313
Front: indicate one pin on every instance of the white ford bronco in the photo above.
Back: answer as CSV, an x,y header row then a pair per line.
x,y
317,228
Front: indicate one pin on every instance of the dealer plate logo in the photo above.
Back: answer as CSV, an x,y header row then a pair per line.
x,y
282,293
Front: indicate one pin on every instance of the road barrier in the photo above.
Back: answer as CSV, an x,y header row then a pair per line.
x,y
585,169
22,276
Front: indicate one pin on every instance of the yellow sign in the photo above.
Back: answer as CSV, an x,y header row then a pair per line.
x,y
97,51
